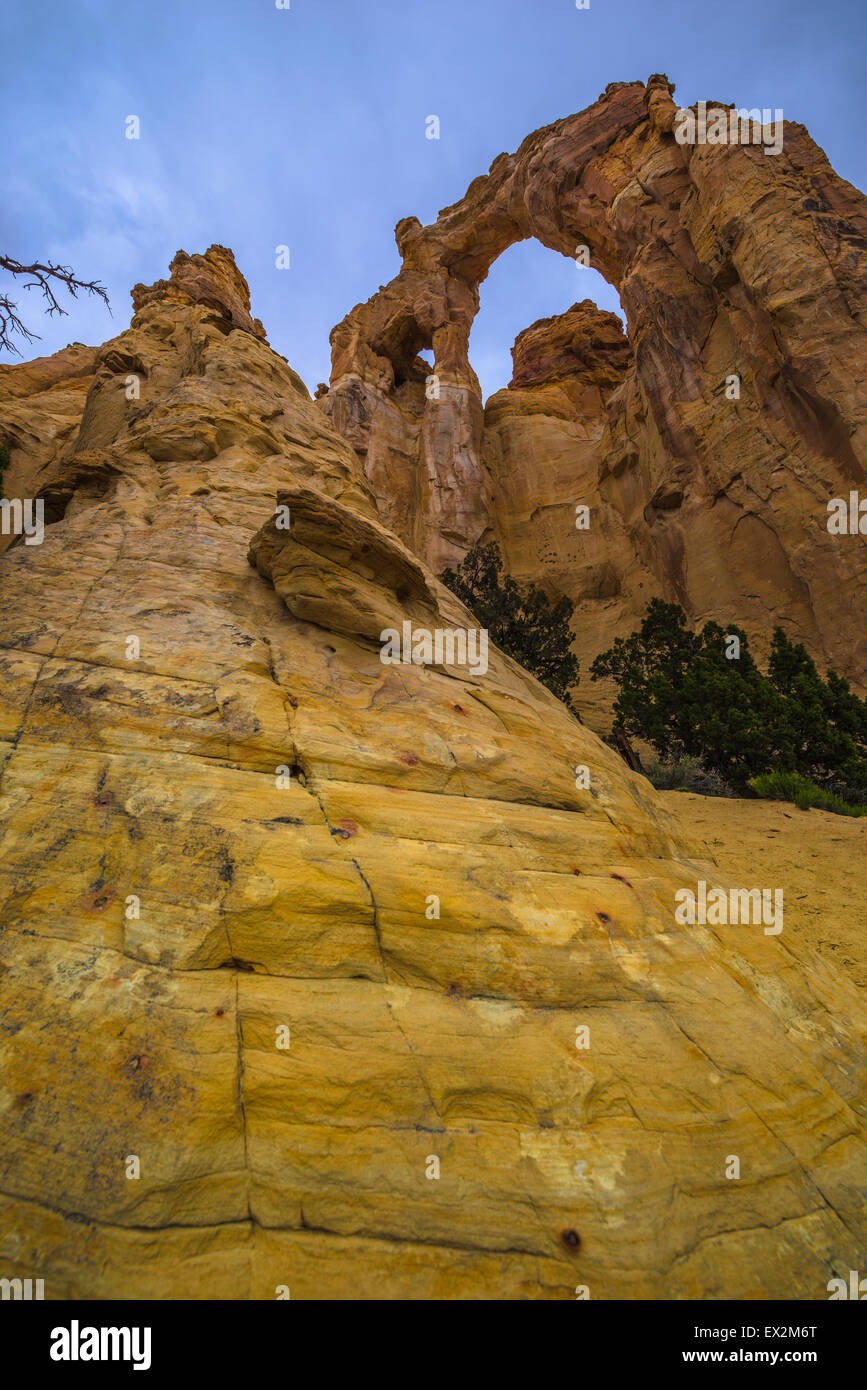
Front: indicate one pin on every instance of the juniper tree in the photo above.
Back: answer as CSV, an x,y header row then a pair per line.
x,y
520,618
681,692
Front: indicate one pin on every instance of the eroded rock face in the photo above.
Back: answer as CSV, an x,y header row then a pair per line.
x,y
212,280
41,404
583,348
227,826
729,263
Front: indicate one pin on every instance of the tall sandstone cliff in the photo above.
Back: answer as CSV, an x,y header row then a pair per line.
x,y
287,924
729,262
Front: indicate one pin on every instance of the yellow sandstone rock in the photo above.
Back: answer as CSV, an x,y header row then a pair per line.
x,y
339,957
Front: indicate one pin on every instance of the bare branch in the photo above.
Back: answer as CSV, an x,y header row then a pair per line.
x,y
10,323
44,278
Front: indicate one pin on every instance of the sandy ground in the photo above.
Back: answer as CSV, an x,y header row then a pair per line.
x,y
818,859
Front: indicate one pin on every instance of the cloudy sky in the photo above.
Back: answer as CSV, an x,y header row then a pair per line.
x,y
305,127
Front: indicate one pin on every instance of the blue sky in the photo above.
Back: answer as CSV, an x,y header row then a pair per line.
x,y
306,127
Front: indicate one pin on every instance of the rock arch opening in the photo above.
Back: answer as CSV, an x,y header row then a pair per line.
x,y
527,283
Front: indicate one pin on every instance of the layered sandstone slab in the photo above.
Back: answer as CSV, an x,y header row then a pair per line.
x,y
237,825
730,263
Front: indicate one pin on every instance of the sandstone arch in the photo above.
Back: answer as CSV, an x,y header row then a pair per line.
x,y
725,259
559,187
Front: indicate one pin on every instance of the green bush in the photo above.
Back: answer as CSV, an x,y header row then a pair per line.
x,y
520,619
679,691
791,786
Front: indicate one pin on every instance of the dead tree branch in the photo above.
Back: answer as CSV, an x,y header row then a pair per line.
x,y
43,277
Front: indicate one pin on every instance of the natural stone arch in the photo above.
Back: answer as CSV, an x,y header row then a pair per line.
x,y
682,232
567,186
559,187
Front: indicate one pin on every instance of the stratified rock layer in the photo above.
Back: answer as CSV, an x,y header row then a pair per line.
x,y
316,939
729,262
